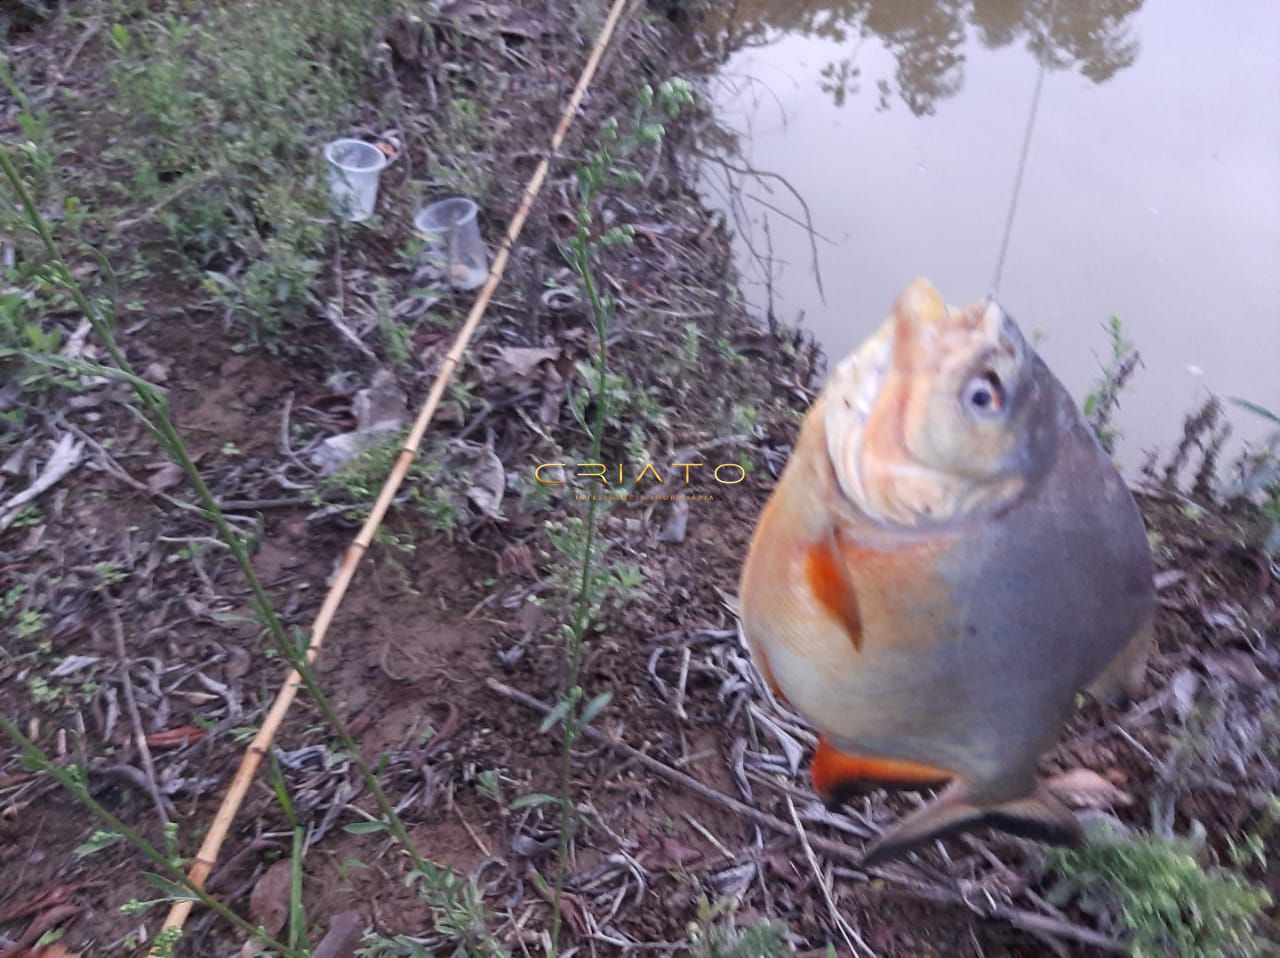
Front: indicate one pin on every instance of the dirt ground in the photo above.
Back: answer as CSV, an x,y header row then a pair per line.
x,y
447,633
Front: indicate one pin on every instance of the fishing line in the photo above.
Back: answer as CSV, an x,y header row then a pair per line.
x,y
1047,39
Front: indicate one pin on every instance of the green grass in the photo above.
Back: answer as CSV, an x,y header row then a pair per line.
x,y
153,407
225,155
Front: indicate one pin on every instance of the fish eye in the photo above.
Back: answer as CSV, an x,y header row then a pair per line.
x,y
984,394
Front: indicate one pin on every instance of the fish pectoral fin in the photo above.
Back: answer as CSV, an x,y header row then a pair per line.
x,y
832,585
1038,816
839,776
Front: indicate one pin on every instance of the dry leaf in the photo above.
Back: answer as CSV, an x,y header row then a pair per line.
x,y
677,526
380,411
1085,788
65,456
166,477
554,389
486,478
56,950
343,937
676,854
1183,687
462,10
516,558
519,362
269,902
382,407
1237,667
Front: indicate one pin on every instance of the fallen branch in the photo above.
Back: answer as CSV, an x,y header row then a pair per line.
x,y
835,849
66,455
1027,920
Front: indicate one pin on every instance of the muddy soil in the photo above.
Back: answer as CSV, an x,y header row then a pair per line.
x,y
441,623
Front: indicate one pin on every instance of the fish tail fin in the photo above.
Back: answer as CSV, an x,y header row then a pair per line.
x,y
1038,816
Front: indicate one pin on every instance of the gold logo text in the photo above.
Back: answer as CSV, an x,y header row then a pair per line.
x,y
726,474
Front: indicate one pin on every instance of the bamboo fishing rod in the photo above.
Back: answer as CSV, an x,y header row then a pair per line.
x,y
207,856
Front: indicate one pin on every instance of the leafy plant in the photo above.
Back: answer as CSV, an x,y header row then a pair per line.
x,y
459,920
609,583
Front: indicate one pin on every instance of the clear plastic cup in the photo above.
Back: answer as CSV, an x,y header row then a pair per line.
x,y
454,246
354,169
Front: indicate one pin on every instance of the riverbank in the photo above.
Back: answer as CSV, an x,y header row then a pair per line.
x,y
161,139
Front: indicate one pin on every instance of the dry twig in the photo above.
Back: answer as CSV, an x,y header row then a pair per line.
x,y
163,808
851,937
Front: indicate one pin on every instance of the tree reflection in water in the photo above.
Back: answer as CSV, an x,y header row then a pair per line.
x,y
927,37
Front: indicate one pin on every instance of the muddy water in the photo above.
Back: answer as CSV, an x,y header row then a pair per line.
x,y
1152,189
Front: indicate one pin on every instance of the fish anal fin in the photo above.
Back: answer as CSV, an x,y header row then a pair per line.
x,y
832,586
839,776
1039,816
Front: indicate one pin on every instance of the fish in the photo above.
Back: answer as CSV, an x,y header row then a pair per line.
x,y
947,561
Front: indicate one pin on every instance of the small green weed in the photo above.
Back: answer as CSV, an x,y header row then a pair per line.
x,y
100,839
458,916
608,583
432,493
585,587
1103,400
1159,896
716,934
153,408
1259,476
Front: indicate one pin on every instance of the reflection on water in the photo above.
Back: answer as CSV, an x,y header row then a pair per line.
x,y
927,37
1152,191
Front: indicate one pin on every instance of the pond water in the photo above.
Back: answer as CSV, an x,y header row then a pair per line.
x,y
1151,191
